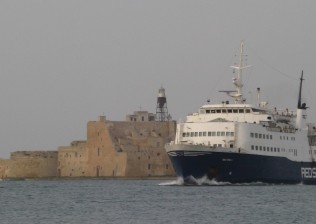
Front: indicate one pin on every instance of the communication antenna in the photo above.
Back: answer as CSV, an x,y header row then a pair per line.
x,y
162,109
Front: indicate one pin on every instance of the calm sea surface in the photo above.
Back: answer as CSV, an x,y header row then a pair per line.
x,y
152,201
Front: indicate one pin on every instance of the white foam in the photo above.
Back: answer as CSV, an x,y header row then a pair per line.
x,y
178,182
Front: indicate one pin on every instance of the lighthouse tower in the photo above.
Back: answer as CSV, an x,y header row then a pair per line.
x,y
162,109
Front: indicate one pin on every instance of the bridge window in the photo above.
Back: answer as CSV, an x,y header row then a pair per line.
x,y
229,110
209,133
223,133
235,111
213,133
251,135
204,133
218,133
247,110
224,111
241,111
200,134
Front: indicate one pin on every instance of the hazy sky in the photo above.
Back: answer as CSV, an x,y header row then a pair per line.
x,y
65,62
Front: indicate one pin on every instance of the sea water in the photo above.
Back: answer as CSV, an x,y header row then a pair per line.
x,y
153,201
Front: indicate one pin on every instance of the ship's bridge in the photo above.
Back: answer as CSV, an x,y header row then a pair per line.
x,y
230,112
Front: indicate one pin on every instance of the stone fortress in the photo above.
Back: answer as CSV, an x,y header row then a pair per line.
x,y
129,149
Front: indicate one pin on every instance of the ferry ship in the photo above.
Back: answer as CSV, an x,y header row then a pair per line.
x,y
237,142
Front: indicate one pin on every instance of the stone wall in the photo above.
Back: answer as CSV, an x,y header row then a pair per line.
x,y
30,164
119,149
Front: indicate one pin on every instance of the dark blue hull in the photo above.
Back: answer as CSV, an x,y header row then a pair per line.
x,y
241,168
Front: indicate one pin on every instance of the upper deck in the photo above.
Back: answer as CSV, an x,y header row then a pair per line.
x,y
238,113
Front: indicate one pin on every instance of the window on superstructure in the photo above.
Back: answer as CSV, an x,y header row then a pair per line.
x,y
213,133
241,111
192,134
230,111
263,136
247,110
260,148
227,133
232,133
215,145
278,149
251,135
196,134
270,136
256,147
207,111
256,135
252,147
268,149
213,111
235,111
218,111
280,137
264,148
224,111
231,145
223,133
219,145
218,133
209,133
204,133
200,134
260,135
274,149
183,134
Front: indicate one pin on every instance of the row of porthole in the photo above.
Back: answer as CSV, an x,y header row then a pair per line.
x,y
271,149
210,133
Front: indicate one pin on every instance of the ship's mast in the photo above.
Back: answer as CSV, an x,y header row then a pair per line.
x,y
301,108
237,80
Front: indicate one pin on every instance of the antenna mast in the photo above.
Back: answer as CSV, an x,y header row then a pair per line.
x,y
238,79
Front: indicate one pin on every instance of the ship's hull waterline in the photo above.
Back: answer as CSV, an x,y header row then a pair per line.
x,y
233,166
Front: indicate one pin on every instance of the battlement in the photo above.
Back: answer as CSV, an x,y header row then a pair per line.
x,y
33,154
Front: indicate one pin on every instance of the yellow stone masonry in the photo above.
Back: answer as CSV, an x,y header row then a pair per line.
x,y
131,148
